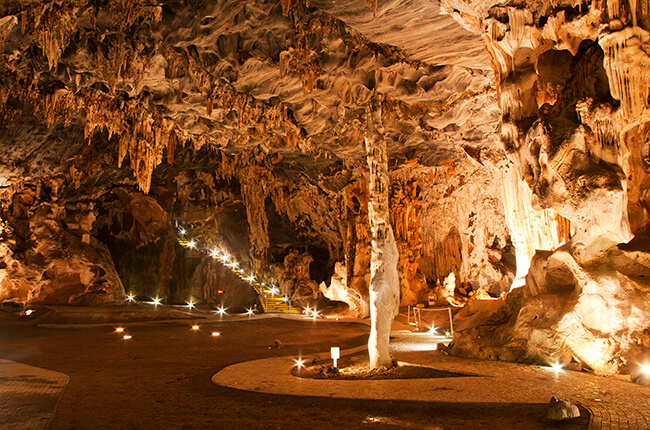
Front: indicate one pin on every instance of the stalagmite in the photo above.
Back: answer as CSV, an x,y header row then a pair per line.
x,y
384,280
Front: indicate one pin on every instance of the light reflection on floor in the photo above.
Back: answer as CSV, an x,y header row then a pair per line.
x,y
405,341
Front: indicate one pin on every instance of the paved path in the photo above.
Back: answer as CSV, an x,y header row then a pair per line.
x,y
28,395
614,402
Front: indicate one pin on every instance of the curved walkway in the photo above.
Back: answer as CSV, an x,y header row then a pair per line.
x,y
28,395
614,402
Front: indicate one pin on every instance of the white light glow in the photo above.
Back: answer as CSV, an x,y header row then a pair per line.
x,y
299,363
130,298
119,329
156,301
250,311
127,337
307,311
28,312
250,279
214,253
557,367
433,329
222,311
285,299
190,304
182,231
216,333
191,244
645,369
196,327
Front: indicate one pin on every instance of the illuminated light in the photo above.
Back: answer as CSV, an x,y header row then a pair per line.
x,y
299,363
433,329
214,253
120,330
645,369
224,257
285,299
190,304
130,298
557,367
222,311
216,333
191,244
182,231
127,337
196,327
250,311
307,311
28,312
156,301
250,279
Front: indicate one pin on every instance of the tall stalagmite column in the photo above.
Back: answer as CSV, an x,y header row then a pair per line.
x,y
384,280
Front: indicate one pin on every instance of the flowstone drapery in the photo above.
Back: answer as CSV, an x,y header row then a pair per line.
x,y
384,279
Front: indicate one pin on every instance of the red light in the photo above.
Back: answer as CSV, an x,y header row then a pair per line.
x,y
219,291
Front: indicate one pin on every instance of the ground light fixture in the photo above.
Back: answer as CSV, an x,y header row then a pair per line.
x,y
156,301
216,333
127,337
119,330
222,311
130,298
190,305
250,311
191,244
299,363
196,327
557,367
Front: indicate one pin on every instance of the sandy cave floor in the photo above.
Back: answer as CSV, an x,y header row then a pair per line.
x,y
161,378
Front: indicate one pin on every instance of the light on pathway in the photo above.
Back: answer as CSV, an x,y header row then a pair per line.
x,y
216,333
119,330
182,231
299,363
307,311
191,244
28,312
557,367
127,337
214,253
190,305
285,299
195,327
433,329
222,311
250,279
130,298
645,369
250,311
156,301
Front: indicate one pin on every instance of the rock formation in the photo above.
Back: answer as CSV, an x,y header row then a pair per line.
x,y
574,106
242,123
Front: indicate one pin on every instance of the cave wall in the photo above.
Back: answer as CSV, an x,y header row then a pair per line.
x,y
573,91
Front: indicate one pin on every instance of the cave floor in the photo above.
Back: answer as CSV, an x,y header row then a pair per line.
x,y
161,378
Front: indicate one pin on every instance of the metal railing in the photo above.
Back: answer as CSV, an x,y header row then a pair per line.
x,y
417,317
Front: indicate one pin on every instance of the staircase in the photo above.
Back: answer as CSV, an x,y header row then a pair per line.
x,y
278,305
275,304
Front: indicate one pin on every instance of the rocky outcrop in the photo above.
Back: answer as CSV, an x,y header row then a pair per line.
x,y
574,115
